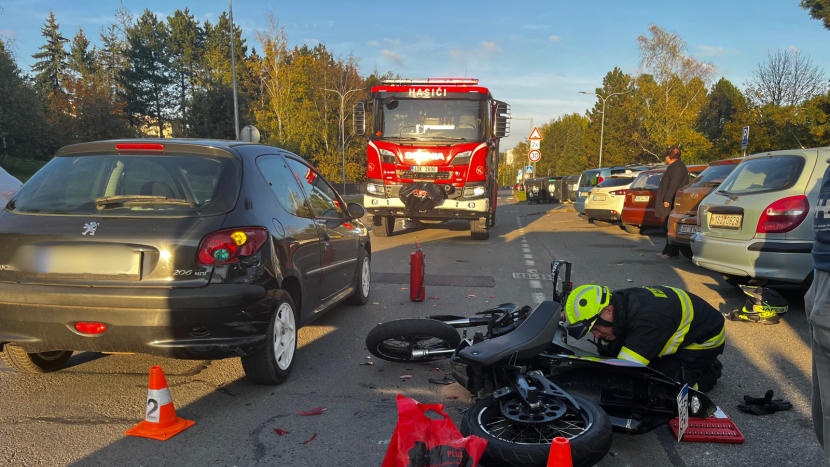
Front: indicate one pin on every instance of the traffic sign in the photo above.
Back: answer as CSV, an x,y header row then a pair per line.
x,y
535,134
535,143
534,155
529,169
745,138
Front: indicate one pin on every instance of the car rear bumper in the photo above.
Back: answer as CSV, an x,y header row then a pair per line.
x,y
780,260
216,321
603,214
579,204
675,221
446,209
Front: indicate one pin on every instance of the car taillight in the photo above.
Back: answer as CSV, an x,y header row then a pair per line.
x,y
784,215
620,192
600,180
90,328
226,246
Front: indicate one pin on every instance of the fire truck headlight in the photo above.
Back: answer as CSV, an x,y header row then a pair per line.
x,y
387,157
375,189
473,192
462,158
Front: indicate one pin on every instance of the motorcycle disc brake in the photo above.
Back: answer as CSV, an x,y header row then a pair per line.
x,y
550,409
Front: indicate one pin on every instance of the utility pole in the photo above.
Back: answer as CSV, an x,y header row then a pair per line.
x,y
343,97
233,72
602,127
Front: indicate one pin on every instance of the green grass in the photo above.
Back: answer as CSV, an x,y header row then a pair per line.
x,y
21,169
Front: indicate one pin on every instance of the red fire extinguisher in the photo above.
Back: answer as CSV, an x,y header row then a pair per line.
x,y
417,274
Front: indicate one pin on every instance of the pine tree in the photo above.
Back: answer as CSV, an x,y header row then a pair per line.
x,y
186,47
51,64
81,59
147,83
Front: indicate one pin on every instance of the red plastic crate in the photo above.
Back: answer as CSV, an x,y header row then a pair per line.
x,y
718,428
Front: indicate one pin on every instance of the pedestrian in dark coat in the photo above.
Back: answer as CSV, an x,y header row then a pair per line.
x,y
676,177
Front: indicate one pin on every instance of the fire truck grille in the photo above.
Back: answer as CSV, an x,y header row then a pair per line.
x,y
408,175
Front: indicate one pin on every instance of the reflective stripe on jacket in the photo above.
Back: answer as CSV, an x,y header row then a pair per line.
x,y
662,321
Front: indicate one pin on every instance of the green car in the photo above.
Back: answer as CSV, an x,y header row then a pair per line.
x,y
758,223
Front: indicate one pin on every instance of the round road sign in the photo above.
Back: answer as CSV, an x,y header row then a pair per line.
x,y
534,156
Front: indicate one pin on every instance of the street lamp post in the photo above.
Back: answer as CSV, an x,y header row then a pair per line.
x,y
602,127
343,97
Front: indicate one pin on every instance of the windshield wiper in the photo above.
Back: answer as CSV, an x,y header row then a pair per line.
x,y
402,138
139,200
729,195
708,184
457,138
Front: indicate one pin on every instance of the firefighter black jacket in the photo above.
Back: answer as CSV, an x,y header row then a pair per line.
x,y
659,321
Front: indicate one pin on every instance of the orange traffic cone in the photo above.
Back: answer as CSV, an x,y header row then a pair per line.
x,y
560,453
160,420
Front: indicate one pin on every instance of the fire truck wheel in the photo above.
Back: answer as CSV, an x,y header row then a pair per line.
x,y
383,226
479,230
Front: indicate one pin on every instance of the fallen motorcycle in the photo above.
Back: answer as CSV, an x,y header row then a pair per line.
x,y
532,386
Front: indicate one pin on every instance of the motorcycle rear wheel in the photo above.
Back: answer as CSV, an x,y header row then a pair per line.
x,y
395,340
588,432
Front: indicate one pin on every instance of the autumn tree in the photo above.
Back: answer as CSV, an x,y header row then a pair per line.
x,y
22,122
787,78
723,104
51,60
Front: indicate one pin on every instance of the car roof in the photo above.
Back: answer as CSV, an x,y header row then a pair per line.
x,y
187,145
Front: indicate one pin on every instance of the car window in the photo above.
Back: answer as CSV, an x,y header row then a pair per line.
x,y
713,175
589,178
323,198
615,181
647,181
764,175
283,184
182,186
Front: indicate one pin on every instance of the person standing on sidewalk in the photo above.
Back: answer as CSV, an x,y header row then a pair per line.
x,y
676,177
817,306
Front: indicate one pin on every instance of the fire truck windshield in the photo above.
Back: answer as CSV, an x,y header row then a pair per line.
x,y
426,119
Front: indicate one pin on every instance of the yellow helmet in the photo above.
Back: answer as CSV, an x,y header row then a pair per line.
x,y
583,307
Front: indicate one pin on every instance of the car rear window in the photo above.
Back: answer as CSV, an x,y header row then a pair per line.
x,y
132,186
647,181
713,175
764,175
615,181
589,178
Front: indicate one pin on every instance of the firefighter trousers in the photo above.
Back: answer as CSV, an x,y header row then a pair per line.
x,y
692,367
817,306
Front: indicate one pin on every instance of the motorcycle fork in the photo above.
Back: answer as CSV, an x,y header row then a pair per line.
x,y
529,395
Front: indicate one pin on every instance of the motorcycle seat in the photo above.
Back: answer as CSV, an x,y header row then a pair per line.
x,y
530,339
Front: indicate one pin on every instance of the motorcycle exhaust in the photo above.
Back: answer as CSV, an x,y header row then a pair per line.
x,y
431,353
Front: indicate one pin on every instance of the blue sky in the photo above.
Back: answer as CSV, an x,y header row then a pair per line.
x,y
535,55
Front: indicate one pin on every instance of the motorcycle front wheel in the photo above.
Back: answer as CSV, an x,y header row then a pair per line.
x,y
527,444
394,341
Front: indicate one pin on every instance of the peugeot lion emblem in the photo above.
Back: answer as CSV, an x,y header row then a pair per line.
x,y
90,228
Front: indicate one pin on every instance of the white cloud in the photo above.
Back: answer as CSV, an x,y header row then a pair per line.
x,y
490,47
793,48
710,51
311,41
553,38
7,33
392,41
393,57
373,43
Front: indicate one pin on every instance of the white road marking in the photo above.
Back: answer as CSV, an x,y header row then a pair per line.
x,y
530,263
539,297
535,285
525,250
528,256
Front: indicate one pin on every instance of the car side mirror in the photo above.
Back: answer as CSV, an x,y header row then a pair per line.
x,y
359,118
355,210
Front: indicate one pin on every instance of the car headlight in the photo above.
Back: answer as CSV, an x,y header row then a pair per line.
x,y
388,157
462,158
375,189
473,192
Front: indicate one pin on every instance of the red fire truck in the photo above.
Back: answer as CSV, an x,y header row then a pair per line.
x,y
433,149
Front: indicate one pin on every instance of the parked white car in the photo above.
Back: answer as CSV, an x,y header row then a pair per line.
x,y
604,203
758,224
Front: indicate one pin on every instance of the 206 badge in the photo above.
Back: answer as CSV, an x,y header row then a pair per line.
x,y
90,228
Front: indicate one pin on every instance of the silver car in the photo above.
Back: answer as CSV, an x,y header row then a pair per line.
x,y
757,224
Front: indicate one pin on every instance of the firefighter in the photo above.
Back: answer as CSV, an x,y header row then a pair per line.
x,y
668,329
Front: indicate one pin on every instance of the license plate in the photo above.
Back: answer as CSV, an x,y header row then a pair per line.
x,y
599,198
688,229
641,199
726,221
80,260
583,195
424,169
682,411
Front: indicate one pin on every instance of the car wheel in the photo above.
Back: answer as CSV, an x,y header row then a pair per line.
x,y
599,223
273,364
34,363
479,230
364,281
632,229
383,226
686,251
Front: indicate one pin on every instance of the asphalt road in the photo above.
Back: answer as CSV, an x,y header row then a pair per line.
x,y
78,416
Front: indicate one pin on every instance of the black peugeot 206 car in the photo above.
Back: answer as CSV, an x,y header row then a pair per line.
x,y
177,248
